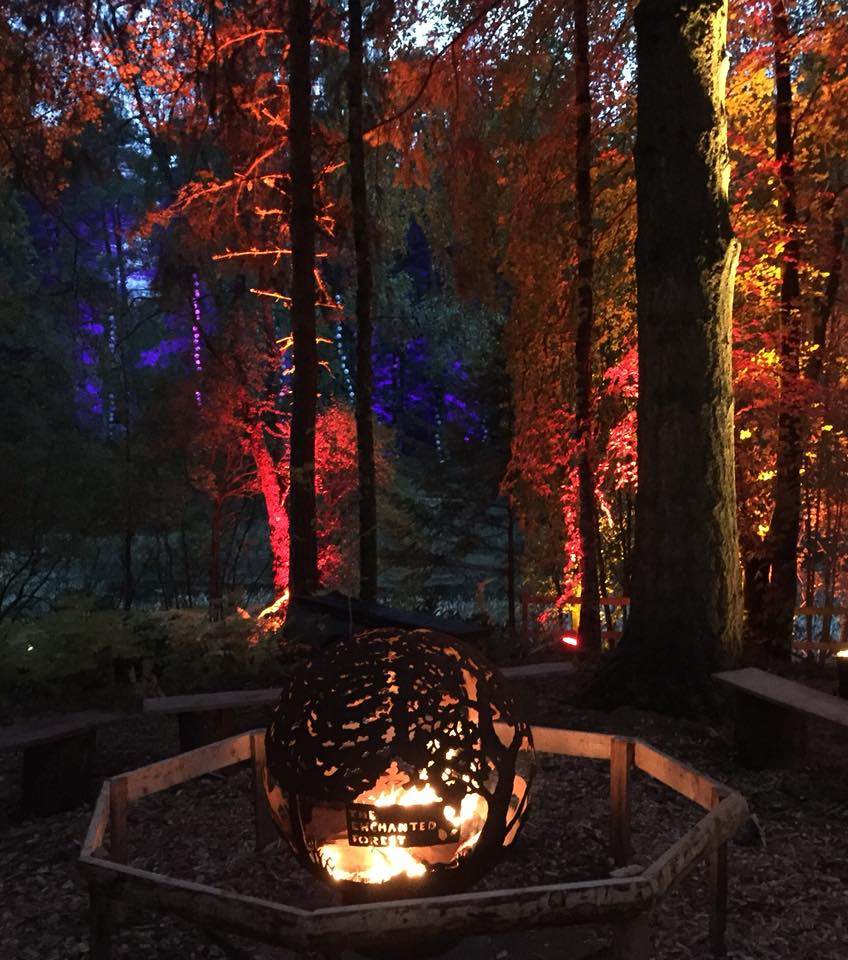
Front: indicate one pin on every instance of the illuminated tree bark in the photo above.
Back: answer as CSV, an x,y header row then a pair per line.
x,y
273,493
303,548
686,612
364,296
771,578
590,625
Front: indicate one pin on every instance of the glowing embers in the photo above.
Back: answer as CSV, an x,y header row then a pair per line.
x,y
397,764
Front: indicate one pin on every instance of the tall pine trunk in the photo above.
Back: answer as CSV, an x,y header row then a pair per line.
x,y
590,625
771,594
364,326
685,616
302,528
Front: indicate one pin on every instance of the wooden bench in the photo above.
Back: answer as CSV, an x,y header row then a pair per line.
x,y
58,759
771,716
206,717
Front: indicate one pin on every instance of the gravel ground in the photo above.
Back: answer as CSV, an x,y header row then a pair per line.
x,y
789,883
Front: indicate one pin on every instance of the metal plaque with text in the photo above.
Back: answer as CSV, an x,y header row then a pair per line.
x,y
397,826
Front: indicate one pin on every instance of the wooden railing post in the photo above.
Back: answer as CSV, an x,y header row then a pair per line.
x,y
264,825
118,851
100,923
718,893
632,937
621,762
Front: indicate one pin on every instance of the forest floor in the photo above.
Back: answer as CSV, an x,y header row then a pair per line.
x,y
788,880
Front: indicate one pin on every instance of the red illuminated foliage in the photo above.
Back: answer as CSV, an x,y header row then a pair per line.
x,y
477,134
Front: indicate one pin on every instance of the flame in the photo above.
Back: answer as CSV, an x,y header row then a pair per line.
x,y
842,654
570,640
381,864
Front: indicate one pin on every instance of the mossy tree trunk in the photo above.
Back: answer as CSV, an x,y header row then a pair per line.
x,y
686,599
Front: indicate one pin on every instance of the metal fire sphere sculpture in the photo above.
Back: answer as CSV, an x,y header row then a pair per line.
x,y
396,765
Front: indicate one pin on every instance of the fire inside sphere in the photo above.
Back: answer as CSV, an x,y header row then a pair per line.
x,y
397,765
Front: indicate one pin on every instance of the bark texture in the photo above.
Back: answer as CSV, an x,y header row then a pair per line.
x,y
686,610
590,624
303,547
364,327
771,593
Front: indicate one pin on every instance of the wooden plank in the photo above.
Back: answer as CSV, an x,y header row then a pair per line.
x,y
820,611
56,775
817,646
768,736
100,923
266,831
470,914
198,728
786,693
186,766
529,671
333,928
622,751
718,900
632,937
572,743
118,819
574,601
238,699
199,903
200,702
709,832
48,729
677,775
98,823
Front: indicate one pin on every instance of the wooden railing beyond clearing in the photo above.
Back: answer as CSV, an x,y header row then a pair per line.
x,y
613,636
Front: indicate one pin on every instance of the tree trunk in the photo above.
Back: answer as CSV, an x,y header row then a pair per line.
x,y
814,371
128,578
685,617
827,302
302,543
773,592
186,565
364,336
273,493
590,624
216,599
